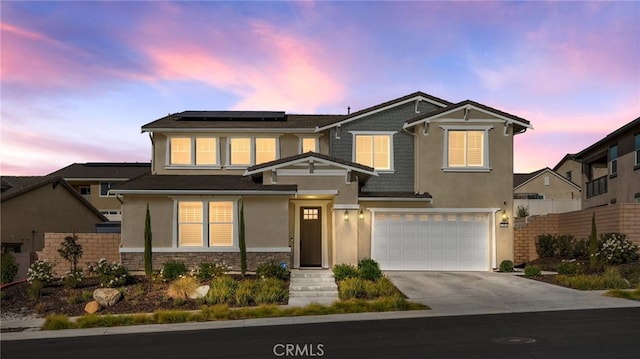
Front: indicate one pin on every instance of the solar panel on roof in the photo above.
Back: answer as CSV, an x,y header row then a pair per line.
x,y
231,116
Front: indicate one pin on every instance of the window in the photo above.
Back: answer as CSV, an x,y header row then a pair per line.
x,y
182,153
637,139
248,151
105,187
466,148
613,160
220,218
374,150
85,191
308,144
569,175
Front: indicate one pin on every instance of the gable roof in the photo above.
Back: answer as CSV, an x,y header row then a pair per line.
x,y
198,184
103,170
520,179
519,123
567,157
310,157
237,120
416,96
15,186
610,137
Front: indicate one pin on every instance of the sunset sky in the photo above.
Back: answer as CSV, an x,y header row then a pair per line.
x,y
79,79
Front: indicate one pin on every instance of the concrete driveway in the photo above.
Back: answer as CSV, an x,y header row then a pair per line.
x,y
459,293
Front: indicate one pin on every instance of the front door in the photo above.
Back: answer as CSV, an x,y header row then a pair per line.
x,y
310,237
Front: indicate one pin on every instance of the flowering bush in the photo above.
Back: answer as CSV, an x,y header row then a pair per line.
x,y
617,249
172,270
73,279
109,274
208,271
40,271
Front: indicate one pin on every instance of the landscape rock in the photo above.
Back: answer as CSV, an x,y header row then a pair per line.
x,y
106,296
92,307
201,292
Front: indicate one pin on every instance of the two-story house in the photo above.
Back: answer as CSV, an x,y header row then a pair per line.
x,y
93,180
611,168
417,183
545,191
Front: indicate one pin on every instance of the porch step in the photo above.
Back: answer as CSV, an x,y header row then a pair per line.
x,y
312,286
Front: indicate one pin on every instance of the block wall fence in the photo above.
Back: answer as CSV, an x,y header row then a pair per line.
x,y
622,218
94,247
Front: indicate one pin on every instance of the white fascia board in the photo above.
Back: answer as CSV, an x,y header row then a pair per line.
x,y
204,249
318,192
200,192
337,207
421,98
394,199
442,117
307,160
437,210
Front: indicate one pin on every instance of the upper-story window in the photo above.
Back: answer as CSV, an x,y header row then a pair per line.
x,y
193,151
637,139
613,160
247,151
308,144
373,149
569,175
105,187
466,148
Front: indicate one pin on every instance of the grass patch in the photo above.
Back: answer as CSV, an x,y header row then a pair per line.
x,y
223,312
625,294
610,279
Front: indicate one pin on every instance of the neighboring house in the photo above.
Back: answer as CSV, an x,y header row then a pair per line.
x,y
570,168
545,191
611,168
93,181
417,183
32,206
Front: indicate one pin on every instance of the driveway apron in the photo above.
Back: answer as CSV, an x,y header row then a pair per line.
x,y
460,293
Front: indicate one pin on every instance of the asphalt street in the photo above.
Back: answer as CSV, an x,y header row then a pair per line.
x,y
600,333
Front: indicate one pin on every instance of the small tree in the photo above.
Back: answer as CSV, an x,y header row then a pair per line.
x,y
242,244
593,243
148,254
71,251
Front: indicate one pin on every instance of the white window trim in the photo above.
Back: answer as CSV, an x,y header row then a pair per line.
x,y
252,150
169,165
375,133
205,225
485,152
301,138
612,160
108,191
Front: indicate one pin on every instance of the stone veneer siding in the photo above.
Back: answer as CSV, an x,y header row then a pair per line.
x,y
135,261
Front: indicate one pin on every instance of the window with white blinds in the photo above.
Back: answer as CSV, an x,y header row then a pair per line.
x,y
374,150
466,149
219,231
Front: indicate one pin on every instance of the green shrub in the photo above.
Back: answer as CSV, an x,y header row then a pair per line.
x,y
109,275
221,290
382,287
631,272
532,271
616,249
172,270
506,266
270,290
71,251
611,279
580,249
545,247
245,292
343,271
352,288
41,271
73,279
564,246
568,268
35,289
522,211
369,269
271,269
9,267
207,271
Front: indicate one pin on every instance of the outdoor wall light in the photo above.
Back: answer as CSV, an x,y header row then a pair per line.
x,y
346,215
504,222
361,215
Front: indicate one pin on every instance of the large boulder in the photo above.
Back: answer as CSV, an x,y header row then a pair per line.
x,y
92,307
200,292
106,296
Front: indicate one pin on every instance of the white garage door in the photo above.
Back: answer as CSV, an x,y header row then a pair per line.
x,y
431,241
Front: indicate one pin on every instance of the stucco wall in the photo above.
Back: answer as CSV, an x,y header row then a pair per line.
x,y
556,189
94,247
621,218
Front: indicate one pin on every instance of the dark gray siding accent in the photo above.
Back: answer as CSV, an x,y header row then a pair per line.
x,y
401,180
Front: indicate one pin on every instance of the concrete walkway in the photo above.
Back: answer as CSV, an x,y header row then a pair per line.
x,y
463,293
